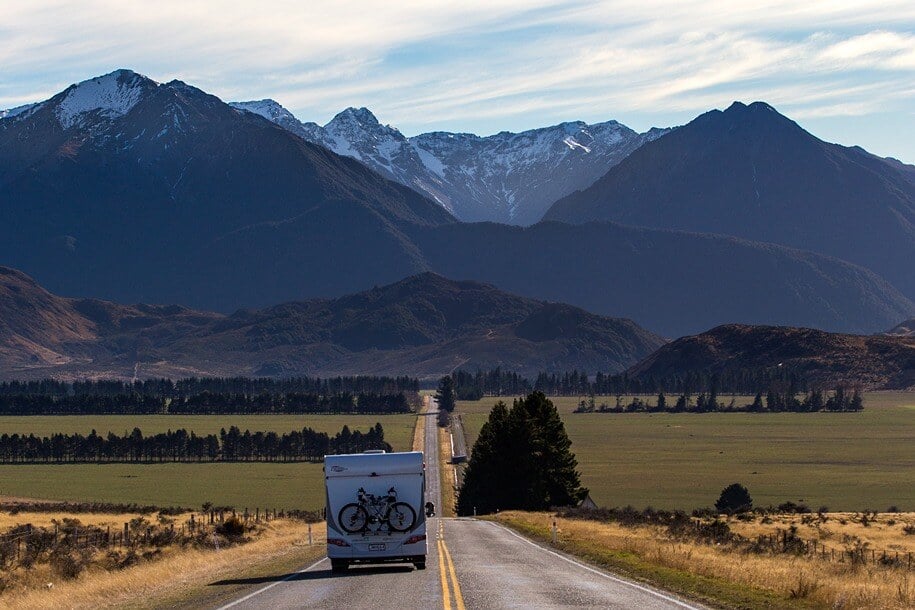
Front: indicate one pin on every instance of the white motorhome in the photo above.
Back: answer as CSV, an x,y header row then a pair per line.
x,y
375,511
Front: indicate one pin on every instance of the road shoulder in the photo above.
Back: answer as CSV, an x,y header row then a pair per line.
x,y
628,566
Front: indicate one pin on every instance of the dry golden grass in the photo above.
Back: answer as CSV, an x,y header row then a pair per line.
x,y
179,576
446,472
838,531
420,426
724,578
41,519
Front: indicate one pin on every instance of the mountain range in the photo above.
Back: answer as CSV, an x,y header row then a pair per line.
x,y
125,189
510,178
823,359
425,325
750,172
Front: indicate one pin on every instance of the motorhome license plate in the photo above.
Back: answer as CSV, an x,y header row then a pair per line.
x,y
376,547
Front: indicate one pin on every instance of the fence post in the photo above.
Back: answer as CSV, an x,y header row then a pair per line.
x,y
126,534
309,534
257,515
553,531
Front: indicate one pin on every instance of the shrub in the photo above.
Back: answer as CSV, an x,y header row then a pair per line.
x,y
735,498
791,507
68,564
232,528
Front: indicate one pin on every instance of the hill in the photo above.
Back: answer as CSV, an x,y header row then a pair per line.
x,y
128,190
753,173
673,282
824,359
905,329
424,325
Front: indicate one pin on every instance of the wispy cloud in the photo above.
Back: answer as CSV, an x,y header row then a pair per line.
x,y
479,65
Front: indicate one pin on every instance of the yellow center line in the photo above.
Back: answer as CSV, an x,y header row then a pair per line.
x,y
458,597
446,595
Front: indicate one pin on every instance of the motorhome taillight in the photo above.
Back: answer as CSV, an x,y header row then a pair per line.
x,y
415,539
339,541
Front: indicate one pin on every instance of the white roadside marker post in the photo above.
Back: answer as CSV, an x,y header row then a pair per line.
x,y
553,531
309,534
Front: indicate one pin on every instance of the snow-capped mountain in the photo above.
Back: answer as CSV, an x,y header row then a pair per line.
x,y
118,180
507,177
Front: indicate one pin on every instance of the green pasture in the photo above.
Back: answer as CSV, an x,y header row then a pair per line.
x,y
398,429
239,484
846,461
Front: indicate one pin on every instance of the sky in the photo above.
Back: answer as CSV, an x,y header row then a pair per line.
x,y
845,70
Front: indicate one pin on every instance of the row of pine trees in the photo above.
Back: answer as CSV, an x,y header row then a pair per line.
x,y
230,445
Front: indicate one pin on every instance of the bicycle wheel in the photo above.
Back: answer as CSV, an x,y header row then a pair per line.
x,y
353,518
402,517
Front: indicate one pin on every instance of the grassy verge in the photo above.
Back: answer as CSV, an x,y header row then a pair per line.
x,y
446,472
419,427
717,576
178,577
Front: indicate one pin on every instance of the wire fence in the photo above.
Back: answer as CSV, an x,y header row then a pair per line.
x,y
857,554
23,543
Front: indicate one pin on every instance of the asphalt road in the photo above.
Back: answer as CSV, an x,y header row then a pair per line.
x,y
471,564
430,451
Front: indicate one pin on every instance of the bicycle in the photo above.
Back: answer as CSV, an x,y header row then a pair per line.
x,y
376,510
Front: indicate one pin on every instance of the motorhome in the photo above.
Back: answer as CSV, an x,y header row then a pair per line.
x,y
375,508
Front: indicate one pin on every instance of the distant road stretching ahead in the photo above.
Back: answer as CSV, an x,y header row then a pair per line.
x,y
471,564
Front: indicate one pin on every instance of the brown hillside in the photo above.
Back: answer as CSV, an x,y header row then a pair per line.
x,y
827,359
425,325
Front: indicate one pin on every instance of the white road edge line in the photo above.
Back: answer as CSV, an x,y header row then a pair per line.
x,y
623,581
270,586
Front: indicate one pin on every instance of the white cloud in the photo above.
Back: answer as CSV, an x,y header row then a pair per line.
x,y
425,64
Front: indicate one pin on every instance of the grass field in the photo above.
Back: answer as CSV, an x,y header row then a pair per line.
x,y
264,485
846,461
398,429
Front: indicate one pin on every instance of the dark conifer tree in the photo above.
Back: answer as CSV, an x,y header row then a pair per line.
x,y
522,460
446,395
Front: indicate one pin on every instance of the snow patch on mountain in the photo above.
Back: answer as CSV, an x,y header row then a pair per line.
x,y
23,110
430,162
507,177
268,109
112,95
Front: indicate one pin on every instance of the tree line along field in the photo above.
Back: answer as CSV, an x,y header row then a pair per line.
x,y
846,461
264,485
398,429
